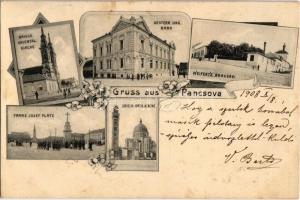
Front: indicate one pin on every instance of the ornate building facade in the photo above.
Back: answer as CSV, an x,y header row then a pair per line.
x,y
138,147
131,49
45,78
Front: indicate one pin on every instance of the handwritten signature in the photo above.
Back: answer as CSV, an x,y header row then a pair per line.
x,y
253,161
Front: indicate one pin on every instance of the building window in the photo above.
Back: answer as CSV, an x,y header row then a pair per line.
x,y
252,58
164,65
151,64
94,51
101,51
160,65
121,44
156,50
142,62
142,45
151,49
108,62
160,52
121,62
156,64
101,64
165,54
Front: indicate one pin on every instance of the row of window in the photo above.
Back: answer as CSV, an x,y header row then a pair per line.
x,y
163,52
162,65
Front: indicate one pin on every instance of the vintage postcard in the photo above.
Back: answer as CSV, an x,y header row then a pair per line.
x,y
46,63
53,133
133,144
242,52
160,100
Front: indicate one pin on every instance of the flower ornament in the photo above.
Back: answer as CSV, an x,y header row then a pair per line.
x,y
100,103
101,160
95,93
75,105
109,166
172,88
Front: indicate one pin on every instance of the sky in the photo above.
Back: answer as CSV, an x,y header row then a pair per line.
x,y
130,117
96,24
62,40
81,121
235,33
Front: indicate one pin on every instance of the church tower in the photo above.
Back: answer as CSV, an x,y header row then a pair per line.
x,y
53,61
45,55
67,129
115,129
34,139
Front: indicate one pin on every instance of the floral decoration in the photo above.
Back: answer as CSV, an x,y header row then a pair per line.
x,y
172,87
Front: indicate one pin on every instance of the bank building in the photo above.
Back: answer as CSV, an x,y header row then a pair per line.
x,y
138,147
45,78
130,49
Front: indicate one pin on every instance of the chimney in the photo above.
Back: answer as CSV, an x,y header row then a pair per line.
x,y
283,47
265,44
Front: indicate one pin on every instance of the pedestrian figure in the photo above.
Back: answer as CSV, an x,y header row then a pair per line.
x,y
65,93
36,95
69,91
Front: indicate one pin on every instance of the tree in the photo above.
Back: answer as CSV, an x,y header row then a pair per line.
x,y
230,51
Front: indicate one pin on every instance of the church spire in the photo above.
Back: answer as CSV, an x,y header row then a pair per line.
x,y
34,139
45,53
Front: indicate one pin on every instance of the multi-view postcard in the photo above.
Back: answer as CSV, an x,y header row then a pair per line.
x,y
46,63
53,133
149,104
226,51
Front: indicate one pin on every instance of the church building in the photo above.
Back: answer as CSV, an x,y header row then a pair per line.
x,y
138,147
131,49
45,78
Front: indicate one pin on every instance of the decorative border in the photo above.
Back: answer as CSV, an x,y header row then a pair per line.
x,y
15,63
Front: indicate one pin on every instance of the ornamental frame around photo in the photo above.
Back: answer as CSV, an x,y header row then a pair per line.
x,y
15,63
137,12
273,24
157,102
86,111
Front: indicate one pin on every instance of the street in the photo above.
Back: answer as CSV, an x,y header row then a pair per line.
x,y
210,71
55,99
32,153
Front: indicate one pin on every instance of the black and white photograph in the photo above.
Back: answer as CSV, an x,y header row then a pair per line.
x,y
135,48
225,51
46,63
132,142
53,133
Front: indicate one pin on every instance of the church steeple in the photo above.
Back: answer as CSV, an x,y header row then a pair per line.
x,y
34,138
67,128
53,61
45,53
